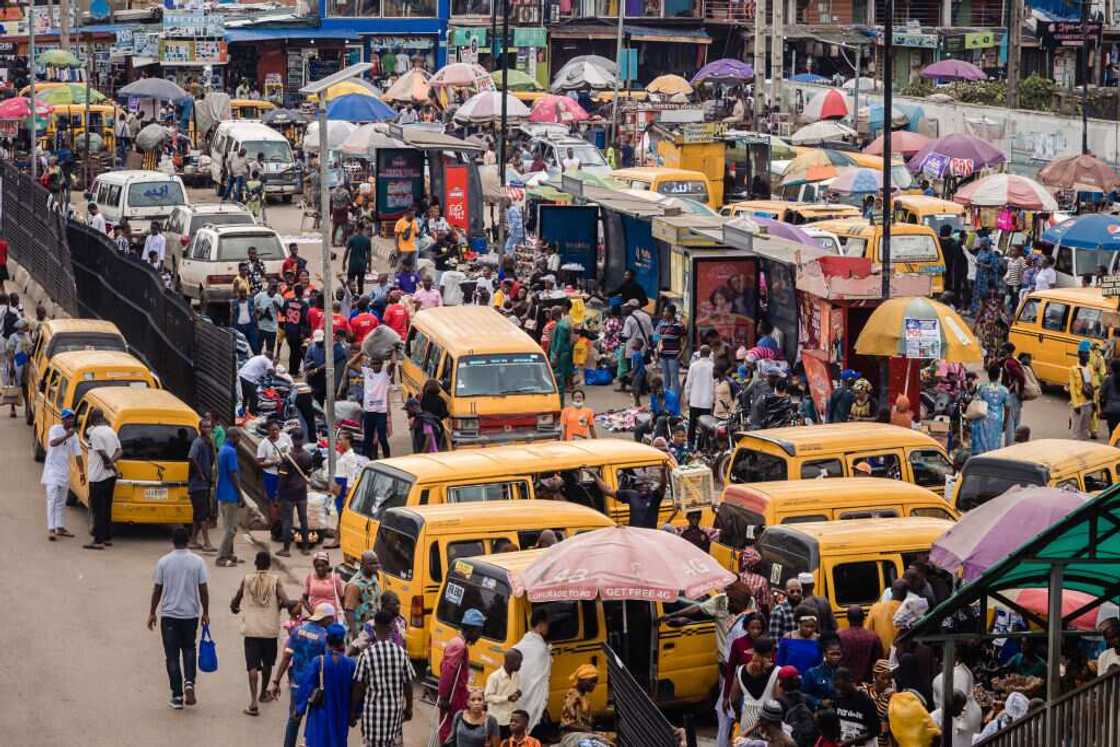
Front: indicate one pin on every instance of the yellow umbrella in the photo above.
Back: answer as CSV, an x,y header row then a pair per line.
x,y
344,88
670,85
918,327
410,88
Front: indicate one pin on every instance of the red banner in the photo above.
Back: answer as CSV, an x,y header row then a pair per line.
x,y
820,385
456,201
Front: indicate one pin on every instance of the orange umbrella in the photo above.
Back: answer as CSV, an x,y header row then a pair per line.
x,y
1080,171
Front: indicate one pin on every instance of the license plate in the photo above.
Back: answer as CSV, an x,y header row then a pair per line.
x,y
273,187
155,494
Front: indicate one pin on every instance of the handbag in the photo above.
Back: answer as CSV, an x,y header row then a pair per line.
x,y
977,409
318,696
207,652
1031,388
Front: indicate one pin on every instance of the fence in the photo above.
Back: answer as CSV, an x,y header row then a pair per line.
x,y
35,228
640,721
194,359
1086,717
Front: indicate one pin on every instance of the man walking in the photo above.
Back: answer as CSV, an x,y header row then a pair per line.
x,y
293,493
62,442
699,390
200,471
382,694
180,598
259,600
358,257
101,474
304,644
1082,392
228,495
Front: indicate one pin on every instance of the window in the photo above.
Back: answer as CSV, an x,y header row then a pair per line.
x,y
70,342
408,8
930,468
754,466
527,539
803,519
932,512
155,442
822,468
882,465
378,491
85,386
60,393
220,219
1029,312
395,549
480,592
155,194
435,562
114,196
236,248
856,583
201,249
563,620
1054,317
737,526
445,374
870,513
912,248
274,151
1098,480
418,349
467,549
495,491
499,374
1064,261
470,7
978,488
434,356
1088,323
854,247
1070,484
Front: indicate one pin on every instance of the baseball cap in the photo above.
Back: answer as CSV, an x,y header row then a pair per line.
x,y
66,413
788,672
318,335
474,618
771,712
322,611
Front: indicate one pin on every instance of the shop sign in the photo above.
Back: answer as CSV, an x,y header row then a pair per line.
x,y
1068,33
725,293
1110,286
980,40
192,24
919,41
456,195
468,37
400,180
187,52
145,45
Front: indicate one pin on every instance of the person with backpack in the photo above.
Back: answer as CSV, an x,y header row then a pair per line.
x,y
796,713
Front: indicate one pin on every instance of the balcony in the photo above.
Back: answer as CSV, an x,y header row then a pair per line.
x,y
729,11
634,9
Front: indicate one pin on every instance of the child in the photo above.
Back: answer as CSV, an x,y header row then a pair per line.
x,y
637,361
679,446
554,315
518,731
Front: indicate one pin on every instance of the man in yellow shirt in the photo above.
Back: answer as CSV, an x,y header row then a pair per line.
x,y
1082,392
880,618
406,230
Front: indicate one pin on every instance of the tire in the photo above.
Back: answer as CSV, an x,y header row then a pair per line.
x,y
719,468
37,451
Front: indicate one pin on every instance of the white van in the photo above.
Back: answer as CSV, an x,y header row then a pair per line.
x,y
139,197
282,175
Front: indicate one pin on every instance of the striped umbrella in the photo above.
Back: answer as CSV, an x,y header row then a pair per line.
x,y
829,104
815,165
1015,191
896,328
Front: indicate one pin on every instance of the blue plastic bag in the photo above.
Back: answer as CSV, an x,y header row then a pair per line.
x,y
598,377
207,652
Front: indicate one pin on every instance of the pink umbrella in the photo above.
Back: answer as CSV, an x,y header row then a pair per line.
x,y
550,109
1038,601
20,108
462,75
953,70
902,141
620,563
1014,191
829,104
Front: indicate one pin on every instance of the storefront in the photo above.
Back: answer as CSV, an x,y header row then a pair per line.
x,y
528,48
912,52
661,49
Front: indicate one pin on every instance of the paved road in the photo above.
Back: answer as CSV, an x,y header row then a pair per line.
x,y
77,664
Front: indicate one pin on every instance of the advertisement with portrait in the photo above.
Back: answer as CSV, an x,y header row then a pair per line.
x,y
725,293
400,180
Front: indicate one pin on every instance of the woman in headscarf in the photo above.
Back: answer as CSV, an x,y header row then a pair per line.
x,y
863,408
901,414
992,325
801,647
322,585
759,585
575,715
1014,709
988,274
987,432
880,690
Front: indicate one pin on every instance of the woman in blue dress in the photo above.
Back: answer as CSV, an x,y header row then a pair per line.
x,y
801,647
989,274
329,722
987,432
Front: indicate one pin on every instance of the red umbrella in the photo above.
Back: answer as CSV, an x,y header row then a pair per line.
x,y
829,104
19,107
1037,600
902,141
620,563
557,109
1080,171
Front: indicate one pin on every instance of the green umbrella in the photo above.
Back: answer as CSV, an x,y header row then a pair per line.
x,y
58,58
71,93
518,81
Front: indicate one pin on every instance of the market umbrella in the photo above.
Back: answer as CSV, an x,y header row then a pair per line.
x,y
873,115
955,155
150,137
357,108
787,231
723,71
487,107
70,93
857,180
462,75
556,109
1082,172
990,532
885,332
815,165
1014,191
58,58
517,80
905,142
595,59
411,88
578,75
19,107
1094,231
809,78
619,563
953,70
821,132
352,87
669,85
337,132
1037,600
865,84
829,104
283,117
366,139
153,88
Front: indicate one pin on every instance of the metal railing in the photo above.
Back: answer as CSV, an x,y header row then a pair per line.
x,y
729,11
1086,717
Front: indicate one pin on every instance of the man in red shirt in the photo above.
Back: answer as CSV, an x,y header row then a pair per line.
x,y
396,315
364,321
315,314
293,263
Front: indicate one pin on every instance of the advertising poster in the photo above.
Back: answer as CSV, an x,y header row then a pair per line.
x,y
641,254
574,230
400,180
781,304
818,380
456,195
725,299
923,338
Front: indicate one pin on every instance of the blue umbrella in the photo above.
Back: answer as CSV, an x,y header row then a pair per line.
x,y
1092,231
810,78
354,107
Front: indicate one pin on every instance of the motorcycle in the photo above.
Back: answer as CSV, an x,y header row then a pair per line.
x,y
715,440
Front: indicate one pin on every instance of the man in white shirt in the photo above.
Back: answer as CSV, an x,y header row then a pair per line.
x,y
251,373
1110,657
376,378
62,442
450,283
637,326
503,689
155,242
270,453
570,162
96,220
101,474
552,264
536,666
1046,278
699,390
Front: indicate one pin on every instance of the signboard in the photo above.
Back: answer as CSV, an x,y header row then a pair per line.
x,y
628,65
574,231
724,299
400,180
1068,33
819,382
192,24
188,52
145,45
980,40
923,338
920,41
1110,286
641,253
456,195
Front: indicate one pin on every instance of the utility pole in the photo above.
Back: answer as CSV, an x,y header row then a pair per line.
x,y
1084,59
759,63
493,35
855,92
31,93
888,95
1014,52
618,72
89,72
777,50
505,94
64,24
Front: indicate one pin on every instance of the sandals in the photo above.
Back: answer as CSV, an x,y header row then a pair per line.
x,y
266,697
63,533
93,546
251,711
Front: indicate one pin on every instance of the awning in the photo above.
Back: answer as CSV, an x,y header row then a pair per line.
x,y
288,32
673,35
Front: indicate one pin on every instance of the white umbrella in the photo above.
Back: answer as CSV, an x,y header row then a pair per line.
x,y
337,132
819,132
865,84
487,107
582,75
363,141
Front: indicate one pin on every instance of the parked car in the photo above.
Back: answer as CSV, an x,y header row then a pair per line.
x,y
210,262
185,221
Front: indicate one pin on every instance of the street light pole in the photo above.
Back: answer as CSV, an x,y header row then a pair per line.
x,y
505,94
1084,76
888,95
618,73
31,93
